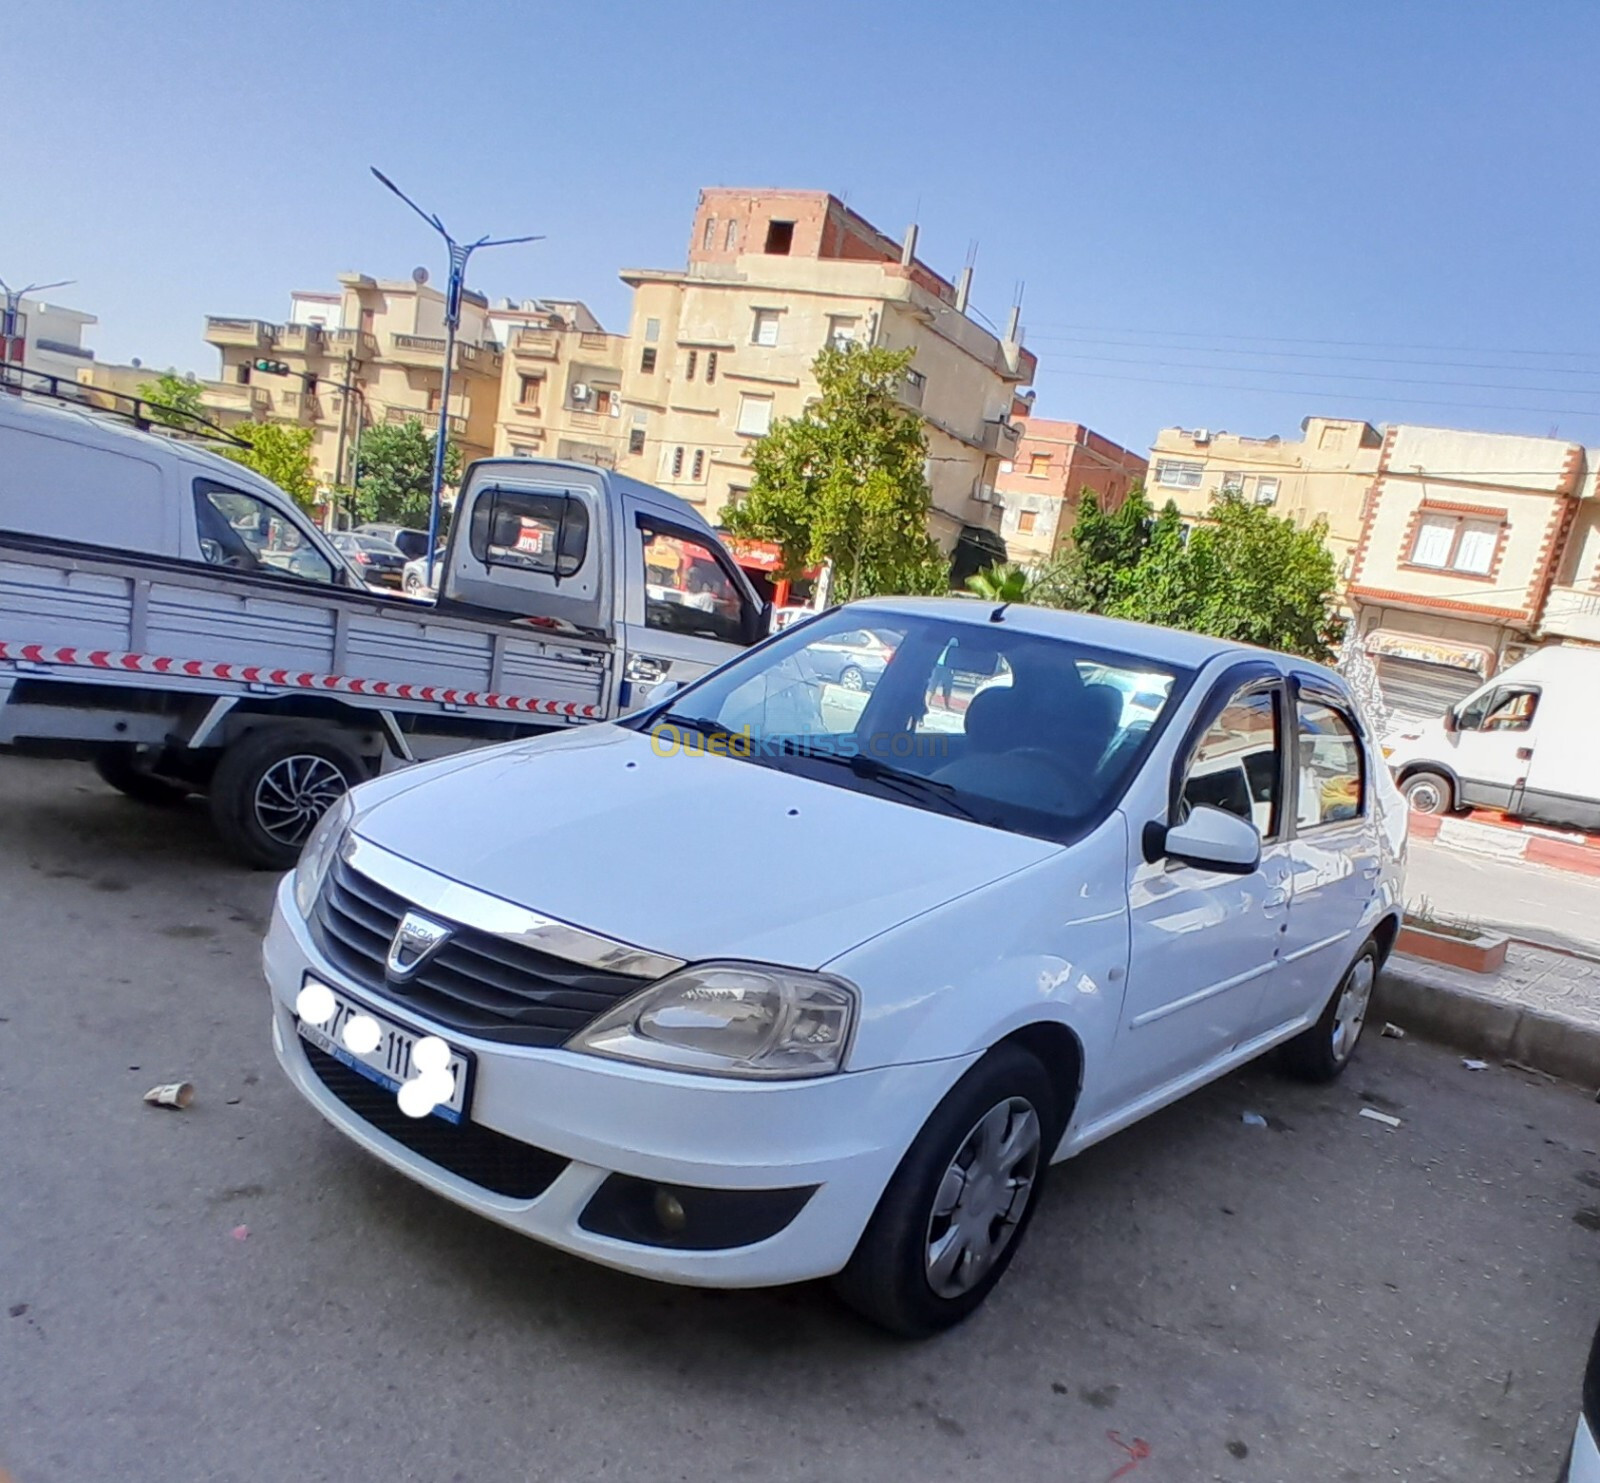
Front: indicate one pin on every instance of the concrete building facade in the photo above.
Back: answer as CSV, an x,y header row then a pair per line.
x,y
1039,487
1326,472
721,349
49,337
371,354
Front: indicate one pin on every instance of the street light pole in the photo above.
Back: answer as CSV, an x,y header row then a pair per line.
x,y
459,254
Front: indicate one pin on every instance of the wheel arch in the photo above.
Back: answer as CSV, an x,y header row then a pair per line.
x,y
1057,1048
1412,766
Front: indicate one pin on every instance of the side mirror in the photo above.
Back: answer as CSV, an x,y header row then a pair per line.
x,y
756,623
661,691
1215,840
1451,722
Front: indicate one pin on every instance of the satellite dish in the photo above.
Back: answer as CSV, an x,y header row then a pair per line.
x,y
419,276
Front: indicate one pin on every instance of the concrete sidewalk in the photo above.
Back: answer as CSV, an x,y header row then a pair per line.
x,y
1541,1009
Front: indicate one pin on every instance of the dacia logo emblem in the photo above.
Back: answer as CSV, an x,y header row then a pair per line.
x,y
416,939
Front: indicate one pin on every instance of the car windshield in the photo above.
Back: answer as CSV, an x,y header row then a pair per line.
x,y
1013,730
375,543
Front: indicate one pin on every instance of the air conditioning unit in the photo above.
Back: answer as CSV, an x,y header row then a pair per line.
x,y
580,392
1202,435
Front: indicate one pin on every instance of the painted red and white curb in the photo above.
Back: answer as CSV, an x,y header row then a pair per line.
x,y
1483,832
288,679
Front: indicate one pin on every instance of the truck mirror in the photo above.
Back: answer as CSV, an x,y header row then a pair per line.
x,y
1452,722
755,623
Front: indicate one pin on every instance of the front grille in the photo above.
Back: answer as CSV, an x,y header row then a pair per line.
x,y
478,1154
478,983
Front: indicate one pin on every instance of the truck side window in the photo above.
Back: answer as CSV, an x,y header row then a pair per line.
x,y
1511,710
246,534
1332,773
1237,766
686,587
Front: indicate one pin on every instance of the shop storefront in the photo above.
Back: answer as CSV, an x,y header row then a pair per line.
x,y
1422,677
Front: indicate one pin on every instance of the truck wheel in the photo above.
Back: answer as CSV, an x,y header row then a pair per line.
x,y
121,770
952,1217
1429,793
1323,1051
272,786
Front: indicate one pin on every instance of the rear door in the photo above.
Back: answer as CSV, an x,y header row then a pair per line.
x,y
1335,857
687,608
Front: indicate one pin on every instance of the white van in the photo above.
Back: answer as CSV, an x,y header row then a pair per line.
x,y
1523,742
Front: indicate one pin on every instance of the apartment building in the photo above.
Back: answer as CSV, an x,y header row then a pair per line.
x,y
372,353
561,389
1474,548
1039,487
721,349
47,338
1325,472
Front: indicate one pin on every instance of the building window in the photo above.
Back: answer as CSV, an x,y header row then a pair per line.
x,y
1026,521
698,467
530,391
755,415
689,367
603,403
709,240
636,440
677,463
732,239
1006,466
711,366
764,327
1233,479
1266,491
1038,465
647,360
842,330
652,331
780,238
1456,543
1177,473
243,378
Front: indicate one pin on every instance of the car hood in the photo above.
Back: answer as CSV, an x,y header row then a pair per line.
x,y
692,856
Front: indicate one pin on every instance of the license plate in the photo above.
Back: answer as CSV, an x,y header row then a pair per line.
x,y
389,1063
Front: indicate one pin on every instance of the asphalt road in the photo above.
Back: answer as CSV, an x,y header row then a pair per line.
x,y
1324,1298
1559,908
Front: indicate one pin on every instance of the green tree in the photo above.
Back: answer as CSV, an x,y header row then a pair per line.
x,y
174,400
281,453
396,480
844,481
1246,575
1005,582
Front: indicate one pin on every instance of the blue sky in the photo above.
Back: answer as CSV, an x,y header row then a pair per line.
x,y
1229,214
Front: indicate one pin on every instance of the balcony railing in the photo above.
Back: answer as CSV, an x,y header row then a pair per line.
x,y
591,340
1574,613
1000,436
358,344
303,406
429,420
253,333
306,338
540,344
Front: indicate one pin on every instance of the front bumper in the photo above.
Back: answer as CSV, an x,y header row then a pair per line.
x,y
843,1134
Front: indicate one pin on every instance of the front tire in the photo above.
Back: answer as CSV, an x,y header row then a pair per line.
x,y
852,678
271,787
1322,1052
953,1215
1429,793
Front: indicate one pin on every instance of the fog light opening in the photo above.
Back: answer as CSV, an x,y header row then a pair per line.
x,y
669,1211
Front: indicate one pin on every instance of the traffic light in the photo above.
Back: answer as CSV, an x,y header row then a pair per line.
x,y
273,367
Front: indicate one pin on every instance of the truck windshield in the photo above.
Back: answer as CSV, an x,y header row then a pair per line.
x,y
1004,728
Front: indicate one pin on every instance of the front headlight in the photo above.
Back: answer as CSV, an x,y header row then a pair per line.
x,y
731,1019
318,851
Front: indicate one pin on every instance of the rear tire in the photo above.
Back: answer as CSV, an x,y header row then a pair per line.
x,y
852,678
1429,793
121,770
1322,1052
271,787
953,1215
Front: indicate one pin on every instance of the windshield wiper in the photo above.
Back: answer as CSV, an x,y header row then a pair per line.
x,y
701,725
908,784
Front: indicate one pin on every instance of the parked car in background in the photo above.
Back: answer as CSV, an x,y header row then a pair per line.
x,y
1583,1462
412,542
380,562
414,581
853,1067
854,659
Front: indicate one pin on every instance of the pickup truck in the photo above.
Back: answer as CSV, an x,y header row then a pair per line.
x,y
176,619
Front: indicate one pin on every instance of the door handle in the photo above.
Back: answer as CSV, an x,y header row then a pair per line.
x,y
1524,754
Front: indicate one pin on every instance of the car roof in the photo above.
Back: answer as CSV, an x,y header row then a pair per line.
x,y
1163,645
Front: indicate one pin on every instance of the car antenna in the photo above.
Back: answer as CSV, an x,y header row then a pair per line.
x,y
998,615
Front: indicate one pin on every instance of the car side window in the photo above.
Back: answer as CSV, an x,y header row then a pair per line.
x,y
686,588
246,534
1332,771
1511,710
1238,764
